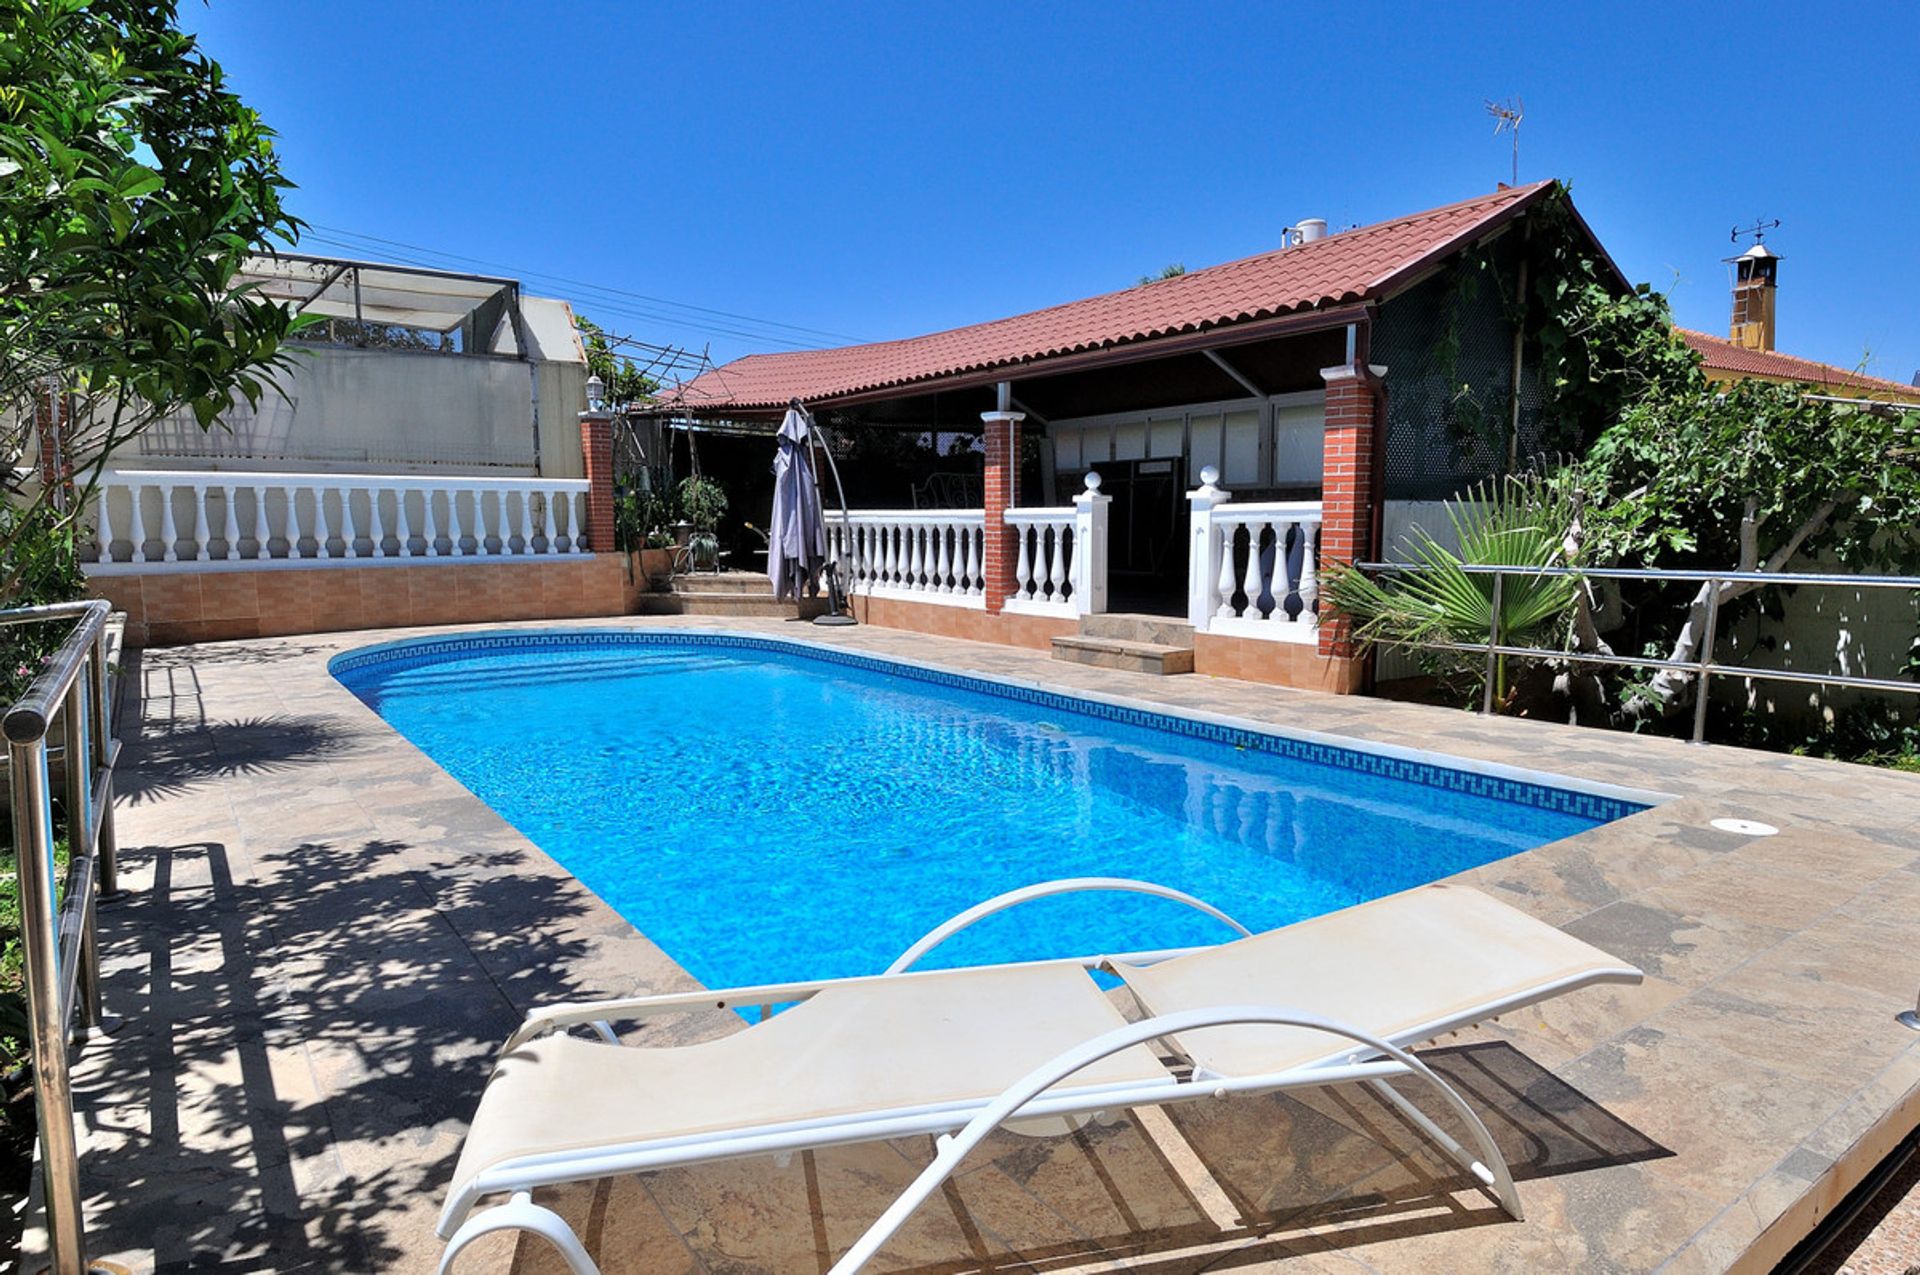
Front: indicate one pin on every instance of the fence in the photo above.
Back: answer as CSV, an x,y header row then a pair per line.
x,y
1253,570
1702,669
184,519
61,960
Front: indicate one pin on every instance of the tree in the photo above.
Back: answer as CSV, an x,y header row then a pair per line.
x,y
1751,477
1173,271
133,186
625,383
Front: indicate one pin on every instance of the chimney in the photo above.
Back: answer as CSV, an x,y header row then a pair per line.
x,y
1755,288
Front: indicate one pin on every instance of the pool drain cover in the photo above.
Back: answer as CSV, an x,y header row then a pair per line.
x,y
1745,827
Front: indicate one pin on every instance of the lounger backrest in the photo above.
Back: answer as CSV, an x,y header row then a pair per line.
x,y
1404,968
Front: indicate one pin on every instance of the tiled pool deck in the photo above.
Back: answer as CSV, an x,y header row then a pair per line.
x,y
326,938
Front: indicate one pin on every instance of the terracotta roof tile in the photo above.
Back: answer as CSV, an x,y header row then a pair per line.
x,y
1722,355
1355,265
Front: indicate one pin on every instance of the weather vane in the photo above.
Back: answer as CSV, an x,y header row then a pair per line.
x,y
1758,230
1506,119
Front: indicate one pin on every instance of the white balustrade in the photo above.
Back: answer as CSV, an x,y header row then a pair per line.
x,y
940,555
301,520
1253,569
924,555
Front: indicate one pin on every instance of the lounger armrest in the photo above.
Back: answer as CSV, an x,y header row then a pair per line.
x,y
1069,885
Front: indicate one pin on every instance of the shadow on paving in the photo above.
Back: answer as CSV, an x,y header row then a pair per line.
x,y
1292,1177
296,1059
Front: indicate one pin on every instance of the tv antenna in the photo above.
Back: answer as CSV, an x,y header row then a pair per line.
x,y
1758,230
1506,119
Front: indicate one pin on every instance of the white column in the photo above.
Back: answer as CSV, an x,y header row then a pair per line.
x,y
379,521
1090,548
168,535
201,532
1022,564
1057,564
230,528
135,490
1251,579
1309,571
323,533
1280,581
1223,587
526,521
103,525
404,521
293,522
1203,548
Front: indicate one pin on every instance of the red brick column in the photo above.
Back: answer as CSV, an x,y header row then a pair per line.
x,y
56,467
1347,495
596,448
1003,474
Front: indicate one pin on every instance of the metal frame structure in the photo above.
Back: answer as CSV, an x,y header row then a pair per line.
x,y
958,1126
62,964
1702,669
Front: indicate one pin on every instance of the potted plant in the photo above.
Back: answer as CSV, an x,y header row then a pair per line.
x,y
702,502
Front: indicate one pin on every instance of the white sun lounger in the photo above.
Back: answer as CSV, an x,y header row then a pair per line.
x,y
959,1053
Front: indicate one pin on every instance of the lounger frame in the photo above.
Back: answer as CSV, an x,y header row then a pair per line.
x,y
960,1126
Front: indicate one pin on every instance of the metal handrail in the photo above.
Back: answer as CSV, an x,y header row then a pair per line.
x,y
1703,669
59,945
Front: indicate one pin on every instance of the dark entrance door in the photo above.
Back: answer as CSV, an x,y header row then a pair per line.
x,y
1147,543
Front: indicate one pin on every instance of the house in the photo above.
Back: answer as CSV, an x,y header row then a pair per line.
x,y
1748,354
1245,423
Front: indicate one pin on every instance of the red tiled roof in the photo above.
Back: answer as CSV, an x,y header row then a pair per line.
x,y
1722,355
1356,265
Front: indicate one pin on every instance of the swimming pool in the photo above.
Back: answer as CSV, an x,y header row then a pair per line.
x,y
766,810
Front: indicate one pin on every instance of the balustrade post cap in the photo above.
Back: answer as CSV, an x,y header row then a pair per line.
x,y
1093,480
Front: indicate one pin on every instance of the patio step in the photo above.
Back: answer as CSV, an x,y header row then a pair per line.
x,y
734,593
1123,653
1160,630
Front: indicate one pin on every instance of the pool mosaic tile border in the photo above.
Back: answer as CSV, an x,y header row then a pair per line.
x,y
417,652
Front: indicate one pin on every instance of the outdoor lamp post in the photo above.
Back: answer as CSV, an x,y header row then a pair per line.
x,y
596,393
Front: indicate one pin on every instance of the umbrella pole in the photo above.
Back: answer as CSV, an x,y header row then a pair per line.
x,y
839,610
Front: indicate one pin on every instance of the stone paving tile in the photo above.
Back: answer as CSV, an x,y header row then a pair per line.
x,y
325,938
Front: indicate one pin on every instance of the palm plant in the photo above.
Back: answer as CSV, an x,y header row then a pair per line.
x,y
1516,521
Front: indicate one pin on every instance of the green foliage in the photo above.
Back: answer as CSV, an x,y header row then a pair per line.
x,y
1518,521
643,518
625,383
1173,271
1699,479
46,569
702,501
133,185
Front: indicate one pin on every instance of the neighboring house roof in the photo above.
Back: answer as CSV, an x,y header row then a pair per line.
x,y
1720,355
1366,264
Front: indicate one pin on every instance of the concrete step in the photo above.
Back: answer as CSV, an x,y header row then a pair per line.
x,y
1158,630
721,602
749,582
1120,653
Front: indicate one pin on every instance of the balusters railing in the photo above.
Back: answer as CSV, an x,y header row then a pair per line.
x,y
928,555
299,518
1255,569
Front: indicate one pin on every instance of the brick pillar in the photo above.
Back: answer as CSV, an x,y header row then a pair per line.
x,y
596,448
1003,473
56,467
1347,495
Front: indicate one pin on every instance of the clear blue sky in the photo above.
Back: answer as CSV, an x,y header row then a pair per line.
x,y
888,169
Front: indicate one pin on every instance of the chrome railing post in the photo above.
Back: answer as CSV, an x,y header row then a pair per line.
x,y
39,946
105,846
1705,668
1493,645
57,941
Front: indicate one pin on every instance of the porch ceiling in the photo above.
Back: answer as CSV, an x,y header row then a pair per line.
x,y
1279,365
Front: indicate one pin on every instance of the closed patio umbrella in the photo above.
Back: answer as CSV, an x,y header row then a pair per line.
x,y
797,535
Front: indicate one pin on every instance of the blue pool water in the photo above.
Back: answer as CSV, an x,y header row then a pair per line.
x,y
767,813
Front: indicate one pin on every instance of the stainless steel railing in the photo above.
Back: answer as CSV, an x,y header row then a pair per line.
x,y
68,701
1703,669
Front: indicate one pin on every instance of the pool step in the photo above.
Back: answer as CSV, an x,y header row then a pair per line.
x,y
1123,653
